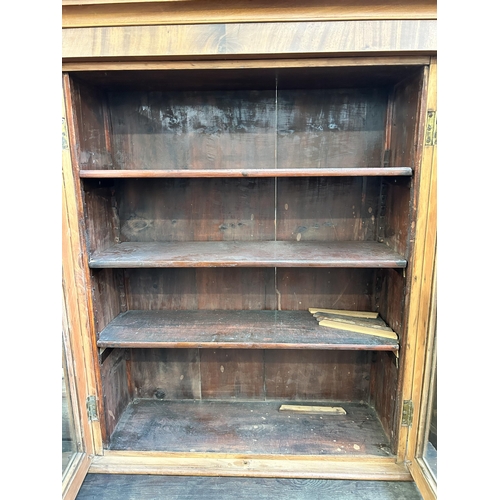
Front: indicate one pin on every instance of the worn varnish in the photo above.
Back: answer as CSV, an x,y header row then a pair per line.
x,y
242,427
232,329
244,254
150,487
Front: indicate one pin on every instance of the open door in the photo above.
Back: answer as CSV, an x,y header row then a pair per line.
x,y
77,432
423,459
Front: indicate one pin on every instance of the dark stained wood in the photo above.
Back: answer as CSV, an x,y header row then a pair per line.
x,y
232,374
199,130
348,289
196,209
201,288
248,254
383,385
320,375
107,301
246,74
165,373
101,216
248,427
396,219
327,209
232,329
93,146
325,128
115,388
254,172
133,486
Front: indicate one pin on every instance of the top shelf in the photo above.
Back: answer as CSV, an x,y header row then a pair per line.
x,y
257,172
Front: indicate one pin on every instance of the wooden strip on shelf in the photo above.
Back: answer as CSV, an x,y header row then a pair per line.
x,y
257,172
314,409
358,329
377,323
232,329
351,254
340,312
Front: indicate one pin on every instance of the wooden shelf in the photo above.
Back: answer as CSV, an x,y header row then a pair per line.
x,y
257,172
351,254
249,427
233,329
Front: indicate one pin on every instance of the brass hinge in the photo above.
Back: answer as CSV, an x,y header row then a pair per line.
x,y
431,128
407,418
92,408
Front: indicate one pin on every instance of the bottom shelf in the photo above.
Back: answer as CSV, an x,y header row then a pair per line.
x,y
249,428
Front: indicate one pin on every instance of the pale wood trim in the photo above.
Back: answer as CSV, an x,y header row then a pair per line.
x,y
86,13
250,40
421,274
76,293
75,474
425,484
323,62
318,467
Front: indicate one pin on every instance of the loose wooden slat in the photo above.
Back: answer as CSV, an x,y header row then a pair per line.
x,y
377,323
358,329
254,172
232,329
313,409
354,314
355,254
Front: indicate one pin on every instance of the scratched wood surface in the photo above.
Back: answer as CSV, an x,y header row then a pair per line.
x,y
247,427
115,389
144,487
232,329
351,254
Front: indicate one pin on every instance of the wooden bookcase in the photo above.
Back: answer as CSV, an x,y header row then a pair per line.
x,y
216,203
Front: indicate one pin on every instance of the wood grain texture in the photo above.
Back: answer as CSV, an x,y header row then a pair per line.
x,y
201,288
106,71
351,254
107,299
196,210
319,375
115,389
383,391
327,209
252,39
184,130
301,288
242,427
244,465
130,487
254,172
122,13
165,373
232,329
232,374
319,128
